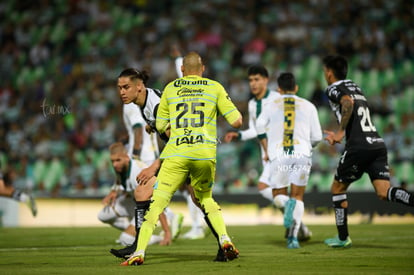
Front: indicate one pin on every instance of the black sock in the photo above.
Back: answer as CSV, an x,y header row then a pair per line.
x,y
212,229
141,208
341,215
397,194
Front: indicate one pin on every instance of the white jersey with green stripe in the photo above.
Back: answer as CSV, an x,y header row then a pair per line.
x,y
190,105
291,125
255,107
128,178
133,118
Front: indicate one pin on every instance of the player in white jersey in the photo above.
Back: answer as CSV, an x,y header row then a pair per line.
x,y
141,145
144,147
258,82
125,194
7,190
288,129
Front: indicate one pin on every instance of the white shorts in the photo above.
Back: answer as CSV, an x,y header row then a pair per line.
x,y
288,170
265,176
124,207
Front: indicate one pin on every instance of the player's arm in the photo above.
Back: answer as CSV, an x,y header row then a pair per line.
x,y
347,106
263,143
227,108
316,129
111,197
138,133
5,189
167,232
149,172
261,134
250,132
178,60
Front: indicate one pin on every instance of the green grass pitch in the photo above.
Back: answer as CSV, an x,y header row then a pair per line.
x,y
377,249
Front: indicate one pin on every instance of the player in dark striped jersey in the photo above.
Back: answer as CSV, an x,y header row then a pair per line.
x,y
365,150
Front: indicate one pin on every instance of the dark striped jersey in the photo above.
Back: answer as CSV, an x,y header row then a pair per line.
x,y
360,131
149,109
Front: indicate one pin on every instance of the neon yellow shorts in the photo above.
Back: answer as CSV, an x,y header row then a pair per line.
x,y
174,172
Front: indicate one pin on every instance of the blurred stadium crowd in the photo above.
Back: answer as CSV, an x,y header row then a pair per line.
x,y
59,107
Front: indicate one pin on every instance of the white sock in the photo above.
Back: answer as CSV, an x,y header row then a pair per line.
x,y
297,216
23,197
126,239
280,201
267,193
196,214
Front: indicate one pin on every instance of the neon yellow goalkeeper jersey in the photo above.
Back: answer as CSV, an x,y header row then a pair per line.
x,y
190,106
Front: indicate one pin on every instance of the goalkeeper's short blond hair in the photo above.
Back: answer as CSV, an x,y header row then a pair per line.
x,y
117,148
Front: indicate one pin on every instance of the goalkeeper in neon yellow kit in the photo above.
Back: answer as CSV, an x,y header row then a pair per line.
x,y
188,111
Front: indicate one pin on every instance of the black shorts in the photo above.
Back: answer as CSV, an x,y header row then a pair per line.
x,y
353,163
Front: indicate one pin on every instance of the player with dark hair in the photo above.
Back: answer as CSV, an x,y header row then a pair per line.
x,y
288,129
188,110
7,190
133,90
258,77
364,152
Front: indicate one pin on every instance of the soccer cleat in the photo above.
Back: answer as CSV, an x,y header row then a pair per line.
x,y
337,243
292,243
176,225
125,252
31,203
137,258
194,234
230,250
220,256
288,215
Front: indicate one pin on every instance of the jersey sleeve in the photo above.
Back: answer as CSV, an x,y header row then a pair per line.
x,y
251,131
316,129
226,107
261,124
335,94
133,113
162,116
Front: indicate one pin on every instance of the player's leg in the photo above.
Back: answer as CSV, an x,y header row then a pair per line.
x,y
118,214
263,185
202,178
197,230
340,204
140,205
379,174
175,221
297,192
171,175
350,168
220,257
394,194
